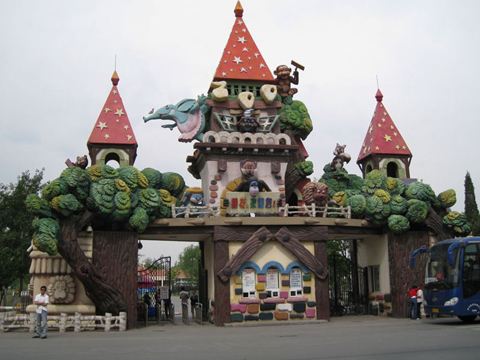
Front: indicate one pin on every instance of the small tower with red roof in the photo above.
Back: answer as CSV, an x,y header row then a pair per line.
x,y
384,147
112,137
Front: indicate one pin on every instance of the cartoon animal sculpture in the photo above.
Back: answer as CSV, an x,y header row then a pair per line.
x,y
82,162
248,168
284,80
253,186
314,192
188,115
340,158
193,196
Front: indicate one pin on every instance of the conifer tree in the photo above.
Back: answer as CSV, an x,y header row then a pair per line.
x,y
471,208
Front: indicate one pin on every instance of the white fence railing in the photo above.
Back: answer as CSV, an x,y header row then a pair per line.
x,y
314,211
63,322
194,211
304,210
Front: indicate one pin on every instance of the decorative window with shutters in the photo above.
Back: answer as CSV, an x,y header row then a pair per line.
x,y
296,282
248,282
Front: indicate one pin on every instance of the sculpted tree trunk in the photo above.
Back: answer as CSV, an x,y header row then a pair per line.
x,y
435,223
105,297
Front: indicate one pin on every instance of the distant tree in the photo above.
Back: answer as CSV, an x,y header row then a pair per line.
x,y
189,261
16,227
471,208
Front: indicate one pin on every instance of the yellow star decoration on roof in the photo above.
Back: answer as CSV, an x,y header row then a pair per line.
x,y
102,125
397,147
107,110
387,138
377,148
119,112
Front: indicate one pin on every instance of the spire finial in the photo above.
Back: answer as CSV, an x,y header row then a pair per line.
x,y
238,10
115,79
379,95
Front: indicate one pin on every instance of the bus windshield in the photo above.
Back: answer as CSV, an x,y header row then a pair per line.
x,y
439,273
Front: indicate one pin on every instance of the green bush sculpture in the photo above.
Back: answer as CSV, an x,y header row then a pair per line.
x,y
388,201
295,117
123,196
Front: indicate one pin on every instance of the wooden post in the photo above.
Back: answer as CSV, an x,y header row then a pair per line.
x,y
63,323
321,286
123,321
108,321
77,325
222,289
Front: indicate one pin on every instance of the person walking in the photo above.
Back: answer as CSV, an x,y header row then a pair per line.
x,y
412,300
419,303
41,300
184,298
193,302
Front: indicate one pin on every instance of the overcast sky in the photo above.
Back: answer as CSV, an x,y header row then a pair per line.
x,y
56,59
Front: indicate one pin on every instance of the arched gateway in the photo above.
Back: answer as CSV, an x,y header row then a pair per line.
x,y
262,224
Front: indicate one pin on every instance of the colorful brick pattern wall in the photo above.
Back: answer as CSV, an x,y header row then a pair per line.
x,y
264,307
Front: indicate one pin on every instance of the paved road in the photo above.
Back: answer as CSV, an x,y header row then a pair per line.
x,y
362,337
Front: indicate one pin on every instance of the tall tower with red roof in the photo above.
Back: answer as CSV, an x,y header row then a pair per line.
x,y
112,137
243,140
384,147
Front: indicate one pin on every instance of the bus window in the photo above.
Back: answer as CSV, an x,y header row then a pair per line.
x,y
471,270
439,272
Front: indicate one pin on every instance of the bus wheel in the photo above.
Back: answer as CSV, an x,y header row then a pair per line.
x,y
468,318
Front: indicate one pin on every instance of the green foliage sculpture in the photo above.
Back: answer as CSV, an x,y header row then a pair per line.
x,y
305,168
107,198
295,117
114,196
387,201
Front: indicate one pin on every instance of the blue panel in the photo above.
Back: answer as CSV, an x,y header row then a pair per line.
x,y
273,264
296,264
249,264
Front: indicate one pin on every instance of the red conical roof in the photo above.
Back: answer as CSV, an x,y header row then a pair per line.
x,y
383,137
112,126
241,59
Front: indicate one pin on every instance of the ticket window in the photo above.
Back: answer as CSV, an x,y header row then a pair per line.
x,y
273,282
296,282
248,283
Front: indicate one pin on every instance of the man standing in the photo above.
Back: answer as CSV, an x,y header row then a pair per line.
x,y
41,300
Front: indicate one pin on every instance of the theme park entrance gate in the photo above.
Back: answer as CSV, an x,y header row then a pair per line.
x,y
348,283
154,290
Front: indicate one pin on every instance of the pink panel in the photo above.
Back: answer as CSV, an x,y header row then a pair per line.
x,y
249,301
273,301
284,294
262,278
297,299
310,312
238,308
